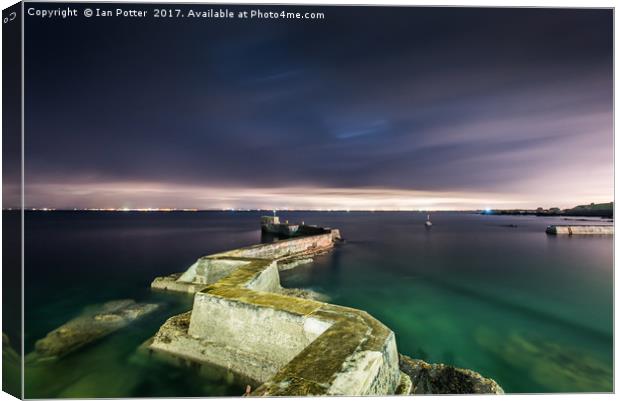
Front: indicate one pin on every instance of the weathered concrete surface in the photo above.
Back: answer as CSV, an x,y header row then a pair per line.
x,y
285,249
429,378
293,346
304,294
244,321
92,325
209,269
581,230
172,283
288,265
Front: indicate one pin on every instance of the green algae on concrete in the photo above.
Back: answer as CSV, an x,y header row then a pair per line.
x,y
285,253
294,346
317,348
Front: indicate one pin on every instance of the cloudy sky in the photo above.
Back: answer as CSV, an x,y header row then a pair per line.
x,y
370,108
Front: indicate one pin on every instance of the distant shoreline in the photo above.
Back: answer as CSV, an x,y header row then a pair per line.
x,y
480,212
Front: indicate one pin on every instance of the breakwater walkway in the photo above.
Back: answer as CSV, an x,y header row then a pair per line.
x,y
241,321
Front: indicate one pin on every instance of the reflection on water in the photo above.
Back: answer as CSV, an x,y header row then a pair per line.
x,y
532,311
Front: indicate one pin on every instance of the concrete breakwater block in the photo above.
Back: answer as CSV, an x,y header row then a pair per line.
x,y
95,323
244,321
304,293
580,230
293,346
209,269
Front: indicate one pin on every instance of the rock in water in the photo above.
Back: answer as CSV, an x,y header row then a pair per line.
x,y
92,325
438,378
11,369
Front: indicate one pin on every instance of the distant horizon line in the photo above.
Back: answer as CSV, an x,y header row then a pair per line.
x,y
163,210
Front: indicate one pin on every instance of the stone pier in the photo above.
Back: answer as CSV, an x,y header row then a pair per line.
x,y
291,345
209,269
242,321
581,230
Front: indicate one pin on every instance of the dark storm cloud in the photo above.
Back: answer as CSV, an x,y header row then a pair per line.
x,y
490,100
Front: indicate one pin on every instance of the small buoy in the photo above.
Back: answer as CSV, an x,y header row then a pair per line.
x,y
428,222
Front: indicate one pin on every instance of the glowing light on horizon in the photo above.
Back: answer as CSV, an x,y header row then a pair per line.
x,y
159,197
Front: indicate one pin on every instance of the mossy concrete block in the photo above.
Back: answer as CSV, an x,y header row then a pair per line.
x,y
294,346
246,323
210,269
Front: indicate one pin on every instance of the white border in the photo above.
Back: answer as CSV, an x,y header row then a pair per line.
x,y
477,3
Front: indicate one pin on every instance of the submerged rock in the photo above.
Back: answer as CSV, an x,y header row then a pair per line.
x,y
438,378
552,364
92,325
11,368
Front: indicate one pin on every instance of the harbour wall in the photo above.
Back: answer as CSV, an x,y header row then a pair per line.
x,y
293,346
581,230
283,249
209,269
242,321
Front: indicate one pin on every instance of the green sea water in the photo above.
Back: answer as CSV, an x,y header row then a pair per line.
x,y
532,311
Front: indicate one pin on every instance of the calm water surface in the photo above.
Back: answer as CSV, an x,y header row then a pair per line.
x,y
532,311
